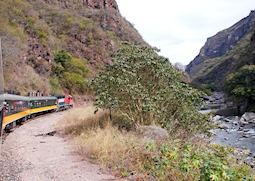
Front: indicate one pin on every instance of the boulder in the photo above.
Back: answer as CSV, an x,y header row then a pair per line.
x,y
243,123
252,132
246,135
153,132
224,126
216,118
250,161
248,117
228,120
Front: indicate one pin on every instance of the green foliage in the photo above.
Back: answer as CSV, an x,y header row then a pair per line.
x,y
76,65
73,82
62,57
191,162
145,88
55,86
71,72
241,86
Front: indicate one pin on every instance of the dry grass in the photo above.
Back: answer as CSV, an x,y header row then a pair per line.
x,y
77,120
128,154
97,139
111,147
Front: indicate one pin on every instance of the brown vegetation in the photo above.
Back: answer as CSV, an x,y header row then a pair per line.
x,y
33,31
138,158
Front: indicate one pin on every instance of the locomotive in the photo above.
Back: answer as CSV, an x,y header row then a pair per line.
x,y
17,109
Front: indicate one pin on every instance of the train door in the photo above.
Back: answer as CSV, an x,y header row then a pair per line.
x,y
1,118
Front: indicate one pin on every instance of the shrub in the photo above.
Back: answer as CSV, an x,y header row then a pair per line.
x,y
76,65
71,72
55,86
241,85
73,82
62,57
145,88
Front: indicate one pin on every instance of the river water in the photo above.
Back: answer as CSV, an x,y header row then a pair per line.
x,y
236,136
231,132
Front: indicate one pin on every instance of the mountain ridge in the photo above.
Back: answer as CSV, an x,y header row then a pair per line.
x,y
222,42
224,53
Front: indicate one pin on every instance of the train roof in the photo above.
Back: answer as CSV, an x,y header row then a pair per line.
x,y
13,97
4,97
42,98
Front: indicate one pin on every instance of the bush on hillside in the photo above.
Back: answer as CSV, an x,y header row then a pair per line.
x,y
145,88
70,72
241,85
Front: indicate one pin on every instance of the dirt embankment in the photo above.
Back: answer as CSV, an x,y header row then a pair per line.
x,y
34,152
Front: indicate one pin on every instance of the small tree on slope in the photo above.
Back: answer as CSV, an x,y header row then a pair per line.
x,y
144,88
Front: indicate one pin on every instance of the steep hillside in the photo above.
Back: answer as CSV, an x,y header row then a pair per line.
x,y
224,53
33,31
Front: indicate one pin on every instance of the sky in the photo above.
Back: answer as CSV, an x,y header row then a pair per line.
x,y
179,28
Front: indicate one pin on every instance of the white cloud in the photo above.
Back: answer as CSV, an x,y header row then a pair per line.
x,y
180,28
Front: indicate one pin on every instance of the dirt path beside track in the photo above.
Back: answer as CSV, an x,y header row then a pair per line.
x,y
30,154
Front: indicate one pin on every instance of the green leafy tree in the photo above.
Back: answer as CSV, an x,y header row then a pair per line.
x,y
76,65
73,82
69,72
145,88
241,85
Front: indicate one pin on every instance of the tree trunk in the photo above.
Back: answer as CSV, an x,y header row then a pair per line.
x,y
110,113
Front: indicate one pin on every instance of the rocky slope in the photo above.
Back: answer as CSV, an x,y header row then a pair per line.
x,y
33,31
224,52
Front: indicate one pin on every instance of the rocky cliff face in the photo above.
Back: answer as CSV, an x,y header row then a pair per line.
x,y
101,4
221,43
95,4
34,30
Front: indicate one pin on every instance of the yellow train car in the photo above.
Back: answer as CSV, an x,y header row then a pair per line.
x,y
19,108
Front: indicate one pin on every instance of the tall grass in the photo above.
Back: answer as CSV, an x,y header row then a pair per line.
x,y
130,155
78,120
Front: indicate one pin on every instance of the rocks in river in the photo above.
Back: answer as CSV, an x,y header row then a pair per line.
x,y
246,135
236,123
244,156
212,132
241,139
216,118
246,130
214,102
248,117
250,161
251,132
243,123
226,138
227,120
224,126
231,119
252,155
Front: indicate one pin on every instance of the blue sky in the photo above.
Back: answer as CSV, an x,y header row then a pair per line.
x,y
179,28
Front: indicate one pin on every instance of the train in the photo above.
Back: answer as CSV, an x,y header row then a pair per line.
x,y
16,109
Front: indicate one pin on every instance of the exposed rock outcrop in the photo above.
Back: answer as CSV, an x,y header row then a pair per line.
x,y
97,4
101,4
